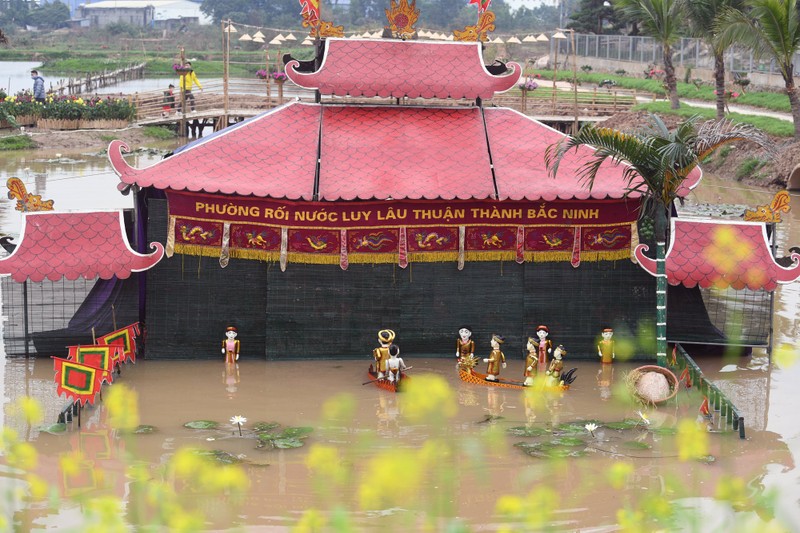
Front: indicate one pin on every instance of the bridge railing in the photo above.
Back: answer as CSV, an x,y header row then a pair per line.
x,y
243,94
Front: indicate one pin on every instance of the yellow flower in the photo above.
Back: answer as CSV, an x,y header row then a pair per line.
x,y
631,521
692,440
29,409
38,487
311,522
732,489
123,407
22,455
428,397
105,514
181,520
325,461
785,355
618,474
392,478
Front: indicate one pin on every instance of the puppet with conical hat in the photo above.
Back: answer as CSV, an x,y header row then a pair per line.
x,y
381,353
496,359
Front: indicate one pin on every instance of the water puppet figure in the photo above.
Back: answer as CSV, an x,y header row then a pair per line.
x,y
381,353
605,348
496,359
465,346
231,345
544,346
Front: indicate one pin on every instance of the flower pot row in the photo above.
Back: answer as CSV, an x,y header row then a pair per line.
x,y
67,124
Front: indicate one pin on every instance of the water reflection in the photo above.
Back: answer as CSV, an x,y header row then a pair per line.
x,y
230,378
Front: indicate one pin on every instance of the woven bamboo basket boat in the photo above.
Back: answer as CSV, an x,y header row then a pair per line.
x,y
633,377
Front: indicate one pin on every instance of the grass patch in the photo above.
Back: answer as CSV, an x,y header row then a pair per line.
x,y
749,168
157,132
772,126
16,142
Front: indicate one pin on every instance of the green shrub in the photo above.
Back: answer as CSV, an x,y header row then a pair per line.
x,y
157,132
16,142
748,168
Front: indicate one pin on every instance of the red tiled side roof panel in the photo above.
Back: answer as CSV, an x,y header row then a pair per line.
x,y
381,68
518,145
73,245
272,155
723,254
414,153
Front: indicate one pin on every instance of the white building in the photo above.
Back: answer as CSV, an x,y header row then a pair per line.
x,y
144,13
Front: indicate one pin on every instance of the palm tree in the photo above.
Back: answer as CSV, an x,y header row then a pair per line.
x,y
656,162
770,28
660,19
702,16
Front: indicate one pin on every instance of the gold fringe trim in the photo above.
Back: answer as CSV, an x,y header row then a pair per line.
x,y
261,255
313,259
418,257
505,255
196,249
634,241
433,257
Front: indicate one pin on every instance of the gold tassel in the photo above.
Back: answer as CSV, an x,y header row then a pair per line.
x,y
634,241
196,249
170,248
284,247
432,257
254,253
490,256
314,259
225,252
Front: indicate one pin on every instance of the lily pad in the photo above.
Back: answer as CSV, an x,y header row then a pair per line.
x,y
261,427
522,431
574,428
142,429
636,445
201,424
297,432
567,441
628,423
55,429
286,443
220,456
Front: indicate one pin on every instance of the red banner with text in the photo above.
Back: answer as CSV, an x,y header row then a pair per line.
x,y
370,232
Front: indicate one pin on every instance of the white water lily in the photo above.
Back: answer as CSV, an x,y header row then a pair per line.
x,y
590,427
238,421
644,418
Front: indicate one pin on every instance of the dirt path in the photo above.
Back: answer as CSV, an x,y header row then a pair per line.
x,y
90,140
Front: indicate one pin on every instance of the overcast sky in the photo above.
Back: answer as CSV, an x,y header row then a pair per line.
x,y
514,4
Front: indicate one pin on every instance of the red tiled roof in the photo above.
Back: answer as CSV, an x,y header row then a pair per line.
x,y
272,155
72,245
393,152
714,253
378,152
393,68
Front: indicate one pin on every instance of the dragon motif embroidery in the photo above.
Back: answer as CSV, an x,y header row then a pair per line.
x,y
493,240
429,240
607,238
553,241
256,240
373,241
26,202
317,243
196,234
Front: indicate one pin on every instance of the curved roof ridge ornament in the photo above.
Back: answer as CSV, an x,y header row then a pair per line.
x,y
127,174
721,254
397,69
76,244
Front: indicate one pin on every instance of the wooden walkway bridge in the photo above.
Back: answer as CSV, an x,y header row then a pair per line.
x,y
219,104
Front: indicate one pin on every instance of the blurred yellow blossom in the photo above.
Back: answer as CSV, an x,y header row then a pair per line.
x,y
105,515
631,521
181,520
38,487
326,462
22,455
786,355
692,440
392,479
340,407
312,521
726,250
70,462
428,397
732,489
27,409
618,474
123,407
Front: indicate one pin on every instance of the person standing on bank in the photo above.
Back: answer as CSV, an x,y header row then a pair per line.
x,y
38,87
188,81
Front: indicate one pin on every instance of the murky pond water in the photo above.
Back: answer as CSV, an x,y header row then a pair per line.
x,y
447,457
